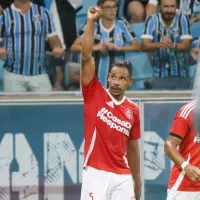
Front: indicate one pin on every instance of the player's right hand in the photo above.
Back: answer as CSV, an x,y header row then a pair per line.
x,y
192,172
3,53
94,13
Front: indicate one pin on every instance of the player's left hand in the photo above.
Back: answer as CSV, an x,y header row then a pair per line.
x,y
195,53
137,190
112,47
58,52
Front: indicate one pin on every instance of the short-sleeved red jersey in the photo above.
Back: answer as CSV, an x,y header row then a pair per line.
x,y
108,125
189,148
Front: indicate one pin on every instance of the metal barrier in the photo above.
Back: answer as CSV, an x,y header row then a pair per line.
x,y
41,143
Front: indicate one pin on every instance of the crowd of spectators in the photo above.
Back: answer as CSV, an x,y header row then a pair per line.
x,y
41,43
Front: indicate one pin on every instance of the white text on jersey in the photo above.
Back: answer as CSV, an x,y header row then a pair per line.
x,y
197,139
112,121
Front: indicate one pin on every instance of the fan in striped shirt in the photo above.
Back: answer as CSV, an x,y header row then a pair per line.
x,y
167,36
111,35
23,29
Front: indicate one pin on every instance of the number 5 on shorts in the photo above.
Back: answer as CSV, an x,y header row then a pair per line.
x,y
91,195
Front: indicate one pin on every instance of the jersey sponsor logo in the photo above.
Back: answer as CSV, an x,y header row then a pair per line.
x,y
176,31
98,37
129,114
21,169
197,138
111,104
118,37
37,18
113,122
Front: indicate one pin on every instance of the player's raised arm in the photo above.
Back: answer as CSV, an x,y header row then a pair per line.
x,y
88,65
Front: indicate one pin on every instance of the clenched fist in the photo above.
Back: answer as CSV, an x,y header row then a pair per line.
x,y
94,13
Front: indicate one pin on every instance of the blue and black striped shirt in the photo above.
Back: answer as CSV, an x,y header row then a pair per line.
x,y
120,34
168,62
23,36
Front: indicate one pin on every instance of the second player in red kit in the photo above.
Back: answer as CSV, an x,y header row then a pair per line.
x,y
183,147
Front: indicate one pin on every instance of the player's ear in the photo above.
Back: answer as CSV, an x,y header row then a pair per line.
x,y
108,77
131,80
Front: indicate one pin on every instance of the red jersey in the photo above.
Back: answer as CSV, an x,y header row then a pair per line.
x,y
189,148
108,125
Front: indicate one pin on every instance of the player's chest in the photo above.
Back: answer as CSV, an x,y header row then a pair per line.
x,y
113,118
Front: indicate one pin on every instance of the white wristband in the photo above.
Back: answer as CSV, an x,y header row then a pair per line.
x,y
184,164
154,2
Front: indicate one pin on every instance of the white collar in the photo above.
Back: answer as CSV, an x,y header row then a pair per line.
x,y
105,29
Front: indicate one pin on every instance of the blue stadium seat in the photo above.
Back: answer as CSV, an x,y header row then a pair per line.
x,y
1,74
86,5
142,69
1,69
195,29
81,15
138,29
120,9
192,71
80,21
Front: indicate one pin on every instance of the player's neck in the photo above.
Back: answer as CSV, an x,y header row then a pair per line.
x,y
107,23
116,97
23,5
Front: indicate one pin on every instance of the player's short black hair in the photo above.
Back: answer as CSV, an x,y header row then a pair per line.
x,y
122,63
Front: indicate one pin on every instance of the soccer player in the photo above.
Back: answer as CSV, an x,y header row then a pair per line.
x,y
183,147
112,128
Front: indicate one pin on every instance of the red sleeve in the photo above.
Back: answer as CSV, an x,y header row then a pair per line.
x,y
180,126
135,131
89,90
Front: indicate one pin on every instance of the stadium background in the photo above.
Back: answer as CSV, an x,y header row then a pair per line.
x,y
44,149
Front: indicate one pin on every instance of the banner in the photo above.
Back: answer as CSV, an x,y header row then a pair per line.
x,y
41,151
